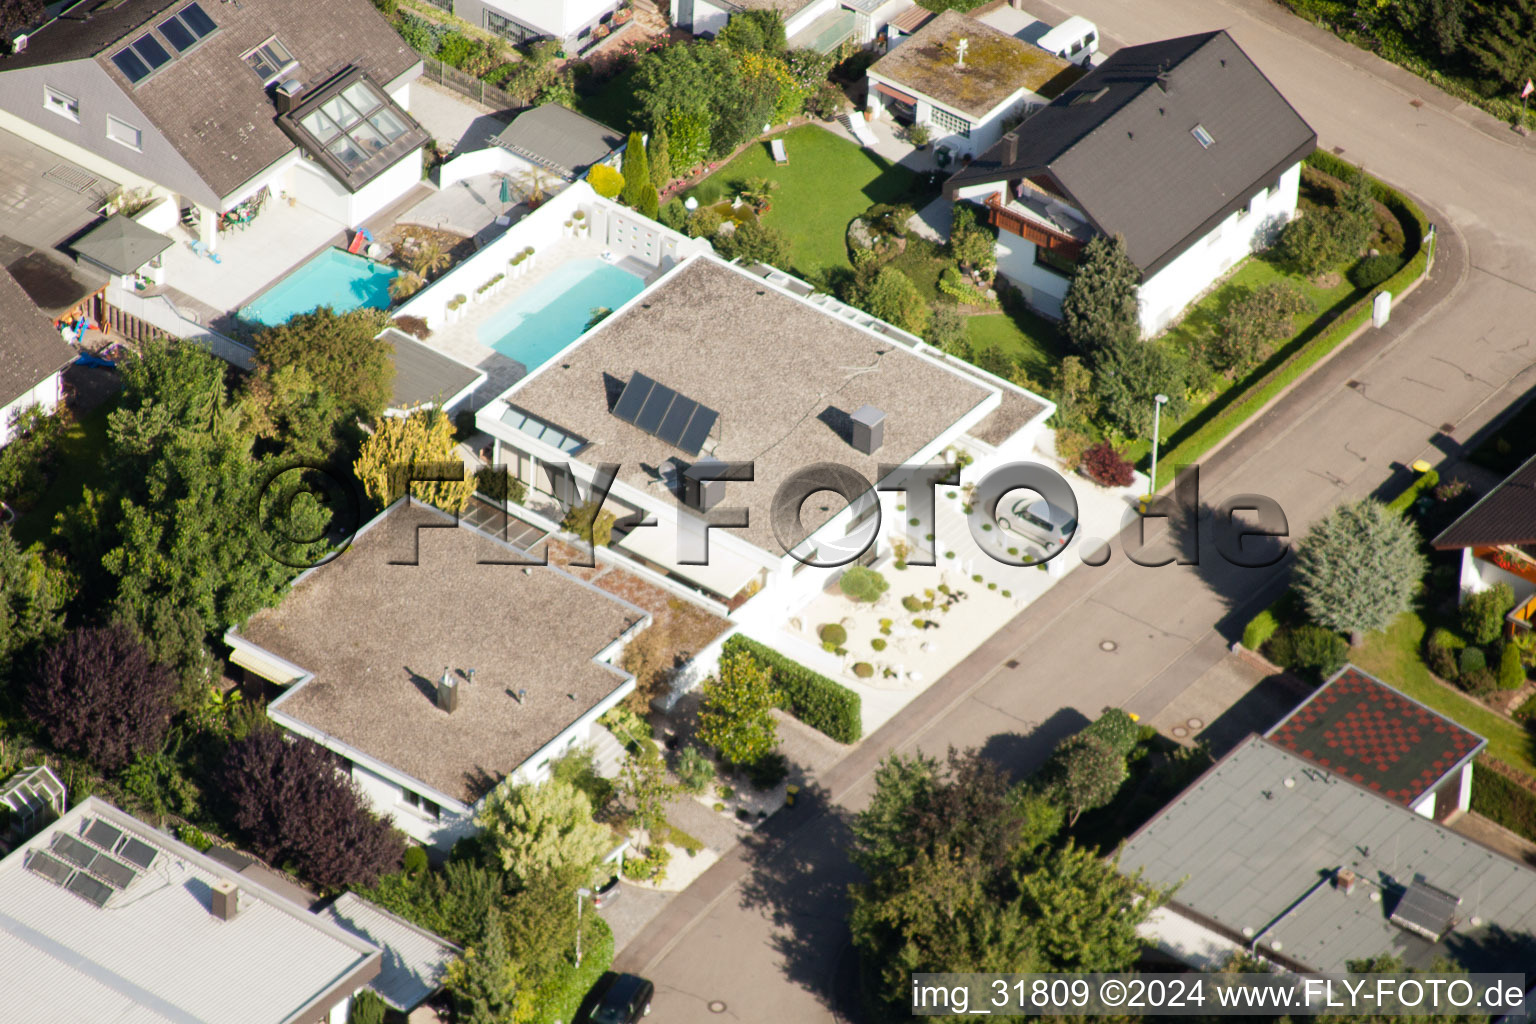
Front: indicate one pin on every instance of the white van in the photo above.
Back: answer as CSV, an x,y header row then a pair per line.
x,y
1076,40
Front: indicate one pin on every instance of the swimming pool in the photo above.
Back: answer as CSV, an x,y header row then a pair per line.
x,y
335,278
555,312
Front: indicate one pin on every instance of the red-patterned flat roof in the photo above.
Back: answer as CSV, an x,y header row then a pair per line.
x,y
1359,727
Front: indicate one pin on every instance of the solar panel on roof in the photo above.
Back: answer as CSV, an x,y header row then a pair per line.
x,y
128,62
51,868
88,887
103,834
114,872
197,20
73,850
655,408
635,393
676,421
138,853
699,426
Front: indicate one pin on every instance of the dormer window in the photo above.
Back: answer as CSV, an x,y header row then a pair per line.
x,y
1202,136
269,60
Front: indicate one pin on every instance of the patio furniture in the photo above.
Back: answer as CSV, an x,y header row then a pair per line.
x,y
777,148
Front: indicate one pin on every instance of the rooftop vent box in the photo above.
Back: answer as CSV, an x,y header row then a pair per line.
x,y
286,93
448,692
1426,910
702,494
226,900
868,429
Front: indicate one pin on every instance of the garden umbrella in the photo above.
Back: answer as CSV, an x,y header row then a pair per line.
x,y
506,191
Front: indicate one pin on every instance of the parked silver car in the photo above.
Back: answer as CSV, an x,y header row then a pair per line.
x,y
1039,520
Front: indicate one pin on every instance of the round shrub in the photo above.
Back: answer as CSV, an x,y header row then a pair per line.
x,y
1472,660
877,643
1007,593
976,578
1373,270
991,586
833,634
911,603
768,771
863,670
1481,683
1482,613
719,806
914,521
862,583
1105,466
1310,651
949,554
1440,649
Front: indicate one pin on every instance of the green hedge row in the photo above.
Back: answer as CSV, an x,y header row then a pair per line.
x,y
811,697
1503,800
1403,502
560,997
1257,395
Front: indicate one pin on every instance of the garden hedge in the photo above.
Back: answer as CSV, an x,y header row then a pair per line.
x,y
1246,404
1502,800
1426,482
811,697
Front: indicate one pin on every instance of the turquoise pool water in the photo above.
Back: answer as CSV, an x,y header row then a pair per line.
x,y
543,321
335,278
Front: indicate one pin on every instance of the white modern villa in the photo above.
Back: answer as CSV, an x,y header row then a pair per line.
x,y
1190,121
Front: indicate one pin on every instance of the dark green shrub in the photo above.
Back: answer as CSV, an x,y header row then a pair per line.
x,y
1472,660
1119,731
1440,649
811,697
1312,652
694,770
590,516
1503,801
415,862
833,634
1259,629
1511,671
456,49
500,485
1482,613
1481,683
768,771
1373,270
367,1008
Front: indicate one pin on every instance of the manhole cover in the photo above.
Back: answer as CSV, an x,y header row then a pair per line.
x,y
716,1006
1108,645
1180,732
1195,724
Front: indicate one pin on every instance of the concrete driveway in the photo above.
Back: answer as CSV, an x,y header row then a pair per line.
x,y
44,199
764,932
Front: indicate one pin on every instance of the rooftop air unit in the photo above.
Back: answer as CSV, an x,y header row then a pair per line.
x,y
448,692
700,494
226,900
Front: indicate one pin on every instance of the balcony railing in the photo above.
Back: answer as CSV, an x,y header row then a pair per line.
x,y
1008,218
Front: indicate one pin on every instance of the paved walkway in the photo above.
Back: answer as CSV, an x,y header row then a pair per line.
x,y
764,931
457,123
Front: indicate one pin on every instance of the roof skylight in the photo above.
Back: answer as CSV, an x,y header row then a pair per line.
x,y
1202,136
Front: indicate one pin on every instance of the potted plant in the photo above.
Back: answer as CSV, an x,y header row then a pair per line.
x,y
919,136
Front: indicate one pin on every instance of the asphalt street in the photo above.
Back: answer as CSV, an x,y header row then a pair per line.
x,y
761,937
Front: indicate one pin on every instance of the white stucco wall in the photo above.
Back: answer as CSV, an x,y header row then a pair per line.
x,y
985,130
46,393
313,186
1043,289
1165,295
707,18
559,18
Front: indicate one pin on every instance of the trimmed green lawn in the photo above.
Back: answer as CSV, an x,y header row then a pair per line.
x,y
1030,339
1393,657
79,464
827,182
1202,320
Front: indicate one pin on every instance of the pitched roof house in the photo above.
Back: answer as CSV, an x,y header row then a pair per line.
x,y
214,102
103,918
433,660
1497,540
964,79
1312,870
33,356
558,139
1182,147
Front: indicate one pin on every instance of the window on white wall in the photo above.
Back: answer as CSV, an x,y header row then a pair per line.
x,y
420,803
951,123
61,103
122,132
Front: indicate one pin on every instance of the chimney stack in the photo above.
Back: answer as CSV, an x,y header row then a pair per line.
x,y
1345,880
226,900
448,692
868,429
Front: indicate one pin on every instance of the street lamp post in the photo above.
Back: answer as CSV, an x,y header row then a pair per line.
x,y
1157,412
581,894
